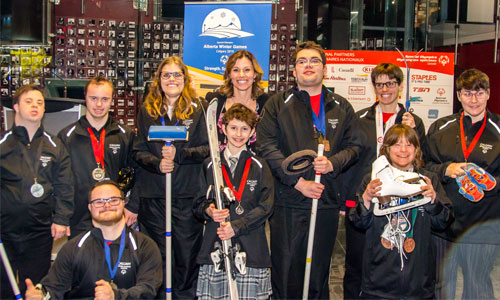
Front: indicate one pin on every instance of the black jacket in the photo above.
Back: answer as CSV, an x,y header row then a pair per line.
x,y
188,157
444,148
287,127
81,262
367,125
382,274
117,146
23,216
257,202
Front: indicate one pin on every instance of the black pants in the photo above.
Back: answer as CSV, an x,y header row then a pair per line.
x,y
289,232
187,235
355,242
28,259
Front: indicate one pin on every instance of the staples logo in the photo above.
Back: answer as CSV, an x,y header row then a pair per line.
x,y
441,91
421,89
357,90
367,69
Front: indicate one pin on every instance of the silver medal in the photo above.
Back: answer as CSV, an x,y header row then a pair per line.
x,y
98,174
36,190
239,210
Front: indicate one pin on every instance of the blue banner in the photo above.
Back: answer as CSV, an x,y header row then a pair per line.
x,y
214,31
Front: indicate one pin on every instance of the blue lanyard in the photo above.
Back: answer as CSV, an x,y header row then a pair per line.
x,y
162,120
319,121
112,272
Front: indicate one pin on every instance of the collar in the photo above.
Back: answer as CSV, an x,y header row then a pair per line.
x,y
227,154
110,126
22,133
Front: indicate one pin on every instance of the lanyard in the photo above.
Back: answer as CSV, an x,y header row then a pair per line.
x,y
238,193
379,124
467,150
413,217
112,272
98,147
319,121
162,120
36,164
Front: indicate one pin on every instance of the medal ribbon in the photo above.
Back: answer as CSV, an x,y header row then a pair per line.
x,y
238,193
112,272
467,150
413,217
98,147
379,123
319,121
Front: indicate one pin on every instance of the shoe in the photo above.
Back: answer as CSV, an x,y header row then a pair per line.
x,y
480,177
469,189
394,181
216,257
240,261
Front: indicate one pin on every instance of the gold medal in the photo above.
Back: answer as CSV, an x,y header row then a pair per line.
x,y
326,143
409,245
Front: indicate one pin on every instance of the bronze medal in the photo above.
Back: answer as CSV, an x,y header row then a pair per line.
x,y
386,243
98,174
409,245
326,143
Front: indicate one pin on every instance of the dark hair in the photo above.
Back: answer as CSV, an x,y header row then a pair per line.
x,y
242,113
394,134
309,45
98,80
227,88
106,182
22,90
391,70
473,79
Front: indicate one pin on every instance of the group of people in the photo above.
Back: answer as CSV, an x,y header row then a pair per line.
x,y
81,184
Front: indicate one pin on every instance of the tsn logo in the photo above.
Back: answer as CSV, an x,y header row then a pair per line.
x,y
421,89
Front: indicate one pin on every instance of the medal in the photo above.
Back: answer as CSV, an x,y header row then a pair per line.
x,y
36,190
386,243
409,245
239,210
326,143
98,174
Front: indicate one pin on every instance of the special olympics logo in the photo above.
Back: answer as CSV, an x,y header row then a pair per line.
x,y
441,91
444,60
224,59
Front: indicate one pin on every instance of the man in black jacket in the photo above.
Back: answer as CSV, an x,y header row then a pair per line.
x,y
36,188
99,148
110,261
295,120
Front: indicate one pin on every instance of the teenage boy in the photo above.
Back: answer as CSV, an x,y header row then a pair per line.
x,y
36,188
111,261
295,120
99,148
251,181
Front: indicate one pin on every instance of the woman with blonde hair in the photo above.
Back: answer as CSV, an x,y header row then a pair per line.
x,y
171,101
242,84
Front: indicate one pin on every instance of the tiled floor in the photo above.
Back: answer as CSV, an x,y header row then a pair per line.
x,y
337,270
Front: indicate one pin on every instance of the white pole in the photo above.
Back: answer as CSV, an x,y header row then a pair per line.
x,y
168,233
10,274
312,226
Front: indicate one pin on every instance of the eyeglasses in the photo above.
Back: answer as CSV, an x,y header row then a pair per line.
x,y
113,201
388,84
480,95
302,62
167,75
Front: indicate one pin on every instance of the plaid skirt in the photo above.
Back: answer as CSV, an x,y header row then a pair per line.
x,y
255,284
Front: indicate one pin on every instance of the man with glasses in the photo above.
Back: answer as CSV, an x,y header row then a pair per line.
x,y
111,261
295,120
99,148
36,190
463,150
374,121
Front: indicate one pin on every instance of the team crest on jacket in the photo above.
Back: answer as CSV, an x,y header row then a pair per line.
x,y
124,267
187,123
252,184
45,160
114,147
333,122
485,147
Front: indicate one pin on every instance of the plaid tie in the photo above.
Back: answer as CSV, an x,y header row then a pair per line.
x,y
233,162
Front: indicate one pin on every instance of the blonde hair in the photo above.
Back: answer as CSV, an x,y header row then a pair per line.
x,y
155,100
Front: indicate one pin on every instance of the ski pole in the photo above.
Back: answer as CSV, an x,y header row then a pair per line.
x,y
8,270
310,239
168,134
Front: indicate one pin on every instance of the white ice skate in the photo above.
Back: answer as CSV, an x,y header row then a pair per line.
x,y
400,190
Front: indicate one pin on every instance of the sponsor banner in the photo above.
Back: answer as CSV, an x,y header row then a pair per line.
x,y
218,29
431,79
